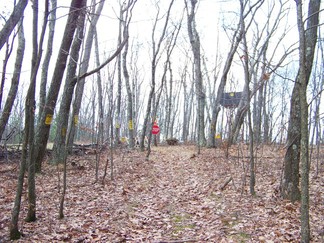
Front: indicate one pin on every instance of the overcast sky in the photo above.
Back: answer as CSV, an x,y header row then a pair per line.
x,y
214,18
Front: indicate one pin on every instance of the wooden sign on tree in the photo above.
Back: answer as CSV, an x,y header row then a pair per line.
x,y
231,99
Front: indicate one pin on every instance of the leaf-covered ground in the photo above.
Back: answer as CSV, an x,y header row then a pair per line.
x,y
176,196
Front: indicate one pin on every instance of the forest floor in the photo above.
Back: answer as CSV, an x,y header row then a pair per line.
x,y
175,196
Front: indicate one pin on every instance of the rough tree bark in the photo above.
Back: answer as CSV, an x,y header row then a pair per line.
x,y
200,94
58,154
290,181
30,107
307,43
95,14
14,230
47,114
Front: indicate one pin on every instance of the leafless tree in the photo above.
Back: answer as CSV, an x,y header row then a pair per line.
x,y
308,38
170,92
48,55
100,127
156,49
188,102
14,230
194,38
14,80
126,20
237,37
59,148
259,70
317,91
7,54
59,151
307,43
47,114
12,21
30,108
95,14
27,155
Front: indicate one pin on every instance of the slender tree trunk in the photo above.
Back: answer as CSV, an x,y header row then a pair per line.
x,y
30,108
7,54
304,160
119,85
100,134
251,151
14,230
48,55
237,37
129,92
200,94
307,43
62,199
185,107
11,23
14,81
169,102
156,47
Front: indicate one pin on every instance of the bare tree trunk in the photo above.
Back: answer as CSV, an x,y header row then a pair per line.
x,y
83,69
237,37
47,114
156,47
187,105
304,143
7,54
185,121
130,118
254,65
169,100
14,81
48,55
100,131
290,182
307,43
62,199
14,230
30,108
200,94
265,117
12,21
58,155
119,85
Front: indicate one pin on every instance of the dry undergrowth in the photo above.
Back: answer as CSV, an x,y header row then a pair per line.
x,y
176,196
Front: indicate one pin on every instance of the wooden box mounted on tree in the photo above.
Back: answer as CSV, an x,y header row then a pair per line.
x,y
231,99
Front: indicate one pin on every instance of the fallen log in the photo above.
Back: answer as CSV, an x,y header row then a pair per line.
x,y
172,141
228,180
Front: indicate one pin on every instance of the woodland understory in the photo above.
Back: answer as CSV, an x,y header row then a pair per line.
x,y
176,196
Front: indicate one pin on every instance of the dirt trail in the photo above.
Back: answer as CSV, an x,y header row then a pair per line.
x,y
173,197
